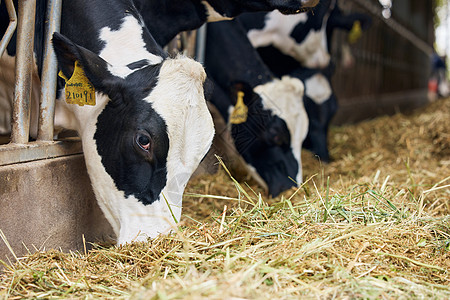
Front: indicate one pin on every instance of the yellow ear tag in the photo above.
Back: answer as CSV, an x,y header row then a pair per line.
x,y
240,111
79,89
355,33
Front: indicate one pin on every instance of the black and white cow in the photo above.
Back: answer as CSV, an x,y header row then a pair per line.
x,y
150,126
299,45
165,19
270,135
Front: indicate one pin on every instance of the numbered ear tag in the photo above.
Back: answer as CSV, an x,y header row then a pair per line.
x,y
355,33
240,111
79,89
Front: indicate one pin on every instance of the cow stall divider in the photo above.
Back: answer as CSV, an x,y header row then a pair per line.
x,y
20,149
46,199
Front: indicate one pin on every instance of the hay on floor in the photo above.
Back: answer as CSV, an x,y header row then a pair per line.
x,y
374,223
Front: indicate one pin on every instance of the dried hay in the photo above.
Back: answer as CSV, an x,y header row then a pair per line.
x,y
372,224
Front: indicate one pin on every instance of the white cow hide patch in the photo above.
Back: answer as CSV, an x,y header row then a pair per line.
x,y
312,52
125,46
318,88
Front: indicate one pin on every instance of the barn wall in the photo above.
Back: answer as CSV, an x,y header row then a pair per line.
x,y
390,73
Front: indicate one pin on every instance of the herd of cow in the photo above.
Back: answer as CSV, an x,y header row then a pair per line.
x,y
268,72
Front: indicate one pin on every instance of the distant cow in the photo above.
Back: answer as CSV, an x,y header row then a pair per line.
x,y
299,45
321,105
268,123
165,19
150,126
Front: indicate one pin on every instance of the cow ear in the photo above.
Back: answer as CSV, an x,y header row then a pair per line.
x,y
67,53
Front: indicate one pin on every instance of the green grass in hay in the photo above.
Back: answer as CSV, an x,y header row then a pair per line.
x,y
384,234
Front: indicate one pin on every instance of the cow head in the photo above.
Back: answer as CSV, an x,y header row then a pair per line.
x,y
218,10
271,137
142,140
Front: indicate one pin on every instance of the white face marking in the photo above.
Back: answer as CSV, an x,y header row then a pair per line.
x,y
285,99
312,52
318,88
213,15
125,46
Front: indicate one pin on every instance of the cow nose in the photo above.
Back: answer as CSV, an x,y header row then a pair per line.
x,y
279,185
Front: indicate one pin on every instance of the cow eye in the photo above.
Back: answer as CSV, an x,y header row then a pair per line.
x,y
143,141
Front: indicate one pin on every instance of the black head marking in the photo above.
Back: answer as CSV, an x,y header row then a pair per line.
x,y
132,138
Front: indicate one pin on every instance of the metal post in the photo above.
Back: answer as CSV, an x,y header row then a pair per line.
x,y
24,70
11,27
48,78
201,44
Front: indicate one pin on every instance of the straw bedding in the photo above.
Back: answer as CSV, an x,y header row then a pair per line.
x,y
374,223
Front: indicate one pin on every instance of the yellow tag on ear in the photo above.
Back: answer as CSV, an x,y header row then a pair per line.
x,y
240,111
355,33
79,89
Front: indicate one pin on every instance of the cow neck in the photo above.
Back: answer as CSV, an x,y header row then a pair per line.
x,y
230,57
164,21
117,33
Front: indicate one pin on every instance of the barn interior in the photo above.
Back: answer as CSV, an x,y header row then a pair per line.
x,y
390,133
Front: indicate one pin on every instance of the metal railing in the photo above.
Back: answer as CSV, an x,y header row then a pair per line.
x,y
20,149
390,70
12,25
